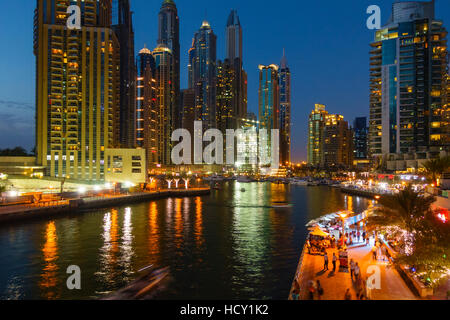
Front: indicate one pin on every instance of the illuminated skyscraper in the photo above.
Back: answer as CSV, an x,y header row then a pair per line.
x,y
226,112
315,134
122,24
330,140
337,146
76,82
169,36
360,131
147,115
407,68
204,75
165,102
284,75
269,102
234,55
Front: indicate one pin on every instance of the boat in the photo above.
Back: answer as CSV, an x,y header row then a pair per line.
x,y
298,182
244,179
214,178
143,286
281,204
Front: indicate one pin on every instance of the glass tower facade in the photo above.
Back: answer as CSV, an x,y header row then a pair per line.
x,y
122,24
146,111
165,102
285,112
408,70
204,75
76,89
234,55
169,36
269,102
360,133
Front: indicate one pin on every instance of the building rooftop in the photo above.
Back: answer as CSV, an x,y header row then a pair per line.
x,y
233,19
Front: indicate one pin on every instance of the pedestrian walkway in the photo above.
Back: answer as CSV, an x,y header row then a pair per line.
x,y
393,287
336,283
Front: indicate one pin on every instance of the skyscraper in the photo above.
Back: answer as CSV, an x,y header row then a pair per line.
x,y
234,55
360,134
269,108
315,134
122,24
147,115
407,69
204,75
226,112
169,36
76,79
165,102
284,75
330,140
337,146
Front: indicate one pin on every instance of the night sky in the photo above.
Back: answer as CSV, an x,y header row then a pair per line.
x,y
326,42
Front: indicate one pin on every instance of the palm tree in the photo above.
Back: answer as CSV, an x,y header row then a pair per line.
x,y
436,167
405,210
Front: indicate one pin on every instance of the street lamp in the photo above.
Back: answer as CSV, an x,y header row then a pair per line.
x,y
343,215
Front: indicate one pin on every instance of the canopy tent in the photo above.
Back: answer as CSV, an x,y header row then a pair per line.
x,y
317,231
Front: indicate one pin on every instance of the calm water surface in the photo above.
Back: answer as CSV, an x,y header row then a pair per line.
x,y
229,245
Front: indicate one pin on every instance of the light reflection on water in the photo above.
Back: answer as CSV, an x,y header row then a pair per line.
x,y
231,244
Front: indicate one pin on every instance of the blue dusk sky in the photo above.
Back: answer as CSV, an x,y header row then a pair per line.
x,y
326,43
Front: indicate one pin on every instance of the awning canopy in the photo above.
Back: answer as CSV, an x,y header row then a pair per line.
x,y
318,232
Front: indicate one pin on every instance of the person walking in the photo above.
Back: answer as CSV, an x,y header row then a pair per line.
x,y
359,236
348,295
311,290
352,268
308,245
384,252
357,271
334,262
319,290
325,262
296,294
374,253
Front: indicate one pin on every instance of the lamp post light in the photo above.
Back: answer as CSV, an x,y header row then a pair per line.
x,y
343,215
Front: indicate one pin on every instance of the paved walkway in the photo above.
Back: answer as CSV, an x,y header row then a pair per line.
x,y
336,283
393,287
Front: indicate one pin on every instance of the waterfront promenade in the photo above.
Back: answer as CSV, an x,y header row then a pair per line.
x,y
336,283
43,209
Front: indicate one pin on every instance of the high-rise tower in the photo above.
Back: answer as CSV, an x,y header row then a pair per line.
x,y
76,82
165,102
169,36
284,76
269,102
122,24
407,70
147,113
204,75
234,54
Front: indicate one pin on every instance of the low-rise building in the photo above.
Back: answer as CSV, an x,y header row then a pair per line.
x,y
125,166
20,166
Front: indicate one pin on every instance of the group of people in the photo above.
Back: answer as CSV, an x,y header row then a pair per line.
x,y
380,252
315,245
326,262
355,236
